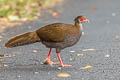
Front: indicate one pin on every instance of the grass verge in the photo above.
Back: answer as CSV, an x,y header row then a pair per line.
x,y
13,11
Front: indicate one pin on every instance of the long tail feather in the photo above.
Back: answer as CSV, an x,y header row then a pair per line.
x,y
23,39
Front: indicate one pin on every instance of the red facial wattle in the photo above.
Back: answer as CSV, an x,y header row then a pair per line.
x,y
82,19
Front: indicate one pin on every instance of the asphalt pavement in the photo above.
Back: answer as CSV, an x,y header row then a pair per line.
x,y
95,57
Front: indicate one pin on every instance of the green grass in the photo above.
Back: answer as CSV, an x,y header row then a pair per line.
x,y
16,10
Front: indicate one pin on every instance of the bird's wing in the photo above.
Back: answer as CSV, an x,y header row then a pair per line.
x,y
52,33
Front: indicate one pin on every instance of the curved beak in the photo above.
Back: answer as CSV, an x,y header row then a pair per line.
x,y
87,21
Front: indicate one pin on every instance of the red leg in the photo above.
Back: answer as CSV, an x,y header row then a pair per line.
x,y
48,60
49,54
61,63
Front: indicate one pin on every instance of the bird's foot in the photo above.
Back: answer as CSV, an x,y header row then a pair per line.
x,y
49,62
65,65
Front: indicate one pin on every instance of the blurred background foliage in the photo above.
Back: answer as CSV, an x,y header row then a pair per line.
x,y
19,10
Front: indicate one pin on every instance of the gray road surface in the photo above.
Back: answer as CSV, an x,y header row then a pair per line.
x,y
102,35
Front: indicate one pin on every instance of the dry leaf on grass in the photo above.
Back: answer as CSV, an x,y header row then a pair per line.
x,y
87,67
63,75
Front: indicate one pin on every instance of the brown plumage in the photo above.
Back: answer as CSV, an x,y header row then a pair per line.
x,y
56,32
56,35
27,38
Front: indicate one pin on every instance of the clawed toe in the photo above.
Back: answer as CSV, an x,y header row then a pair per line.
x,y
49,62
65,65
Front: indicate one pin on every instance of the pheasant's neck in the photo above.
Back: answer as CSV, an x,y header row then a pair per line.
x,y
79,25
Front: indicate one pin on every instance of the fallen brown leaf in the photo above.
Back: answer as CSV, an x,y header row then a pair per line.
x,y
79,54
87,67
63,75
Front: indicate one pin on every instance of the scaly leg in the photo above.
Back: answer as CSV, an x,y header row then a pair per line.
x,y
61,63
48,58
